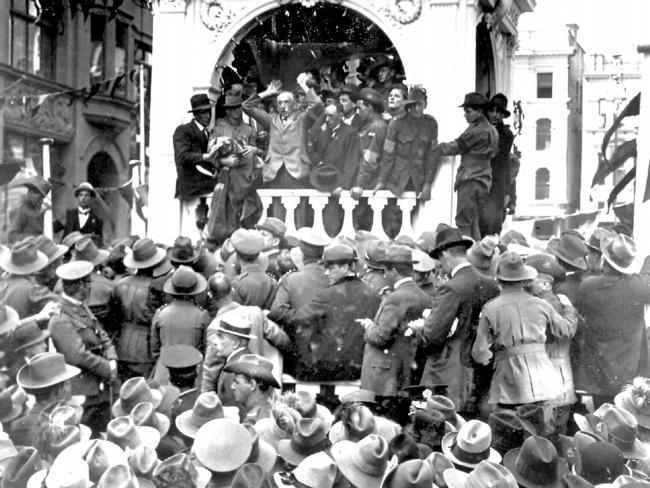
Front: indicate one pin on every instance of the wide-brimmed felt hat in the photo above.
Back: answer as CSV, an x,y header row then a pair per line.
x,y
232,101
98,454
597,236
306,405
511,267
372,252
429,427
234,323
184,462
309,437
271,432
86,250
73,474
439,464
222,445
27,336
571,480
250,475
180,356
144,254
39,185
474,99
185,282
373,98
634,399
546,264
125,433
600,462
470,445
133,391
120,476
500,102
325,177
9,319
262,453
45,369
415,94
569,249
363,463
449,237
144,414
12,403
24,258
413,473
21,467
398,254
507,431
143,461
485,475
182,251
621,254
447,407
49,248
72,238
621,429
315,471
533,420
207,407
200,102
360,422
482,253
535,464
254,366
85,186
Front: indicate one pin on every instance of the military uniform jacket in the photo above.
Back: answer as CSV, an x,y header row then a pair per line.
x,y
180,322
254,287
328,339
135,317
371,138
409,153
77,335
102,300
24,295
388,353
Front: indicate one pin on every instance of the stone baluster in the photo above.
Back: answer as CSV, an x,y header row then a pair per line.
x,y
290,204
348,204
267,201
318,203
406,205
377,203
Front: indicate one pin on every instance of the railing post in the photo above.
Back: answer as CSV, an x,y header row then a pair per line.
x,y
406,205
377,204
318,204
290,204
348,204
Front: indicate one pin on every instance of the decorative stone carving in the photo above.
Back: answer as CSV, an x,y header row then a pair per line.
x,y
216,15
55,116
171,5
309,3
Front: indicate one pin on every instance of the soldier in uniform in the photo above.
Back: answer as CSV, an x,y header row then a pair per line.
x,y
252,286
77,334
300,287
330,343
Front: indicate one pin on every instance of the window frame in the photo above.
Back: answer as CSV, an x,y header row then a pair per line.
x,y
540,143
542,188
541,89
42,28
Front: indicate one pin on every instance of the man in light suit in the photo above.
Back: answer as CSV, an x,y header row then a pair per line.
x,y
84,219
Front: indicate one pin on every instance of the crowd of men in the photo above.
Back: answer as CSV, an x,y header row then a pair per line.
x,y
306,360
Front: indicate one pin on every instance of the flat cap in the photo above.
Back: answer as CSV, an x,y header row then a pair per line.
x,y
397,254
74,270
274,225
338,253
247,241
180,356
311,236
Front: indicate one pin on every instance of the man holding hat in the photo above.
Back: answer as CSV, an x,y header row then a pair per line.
x,y
494,212
252,286
476,146
83,218
26,219
77,334
388,353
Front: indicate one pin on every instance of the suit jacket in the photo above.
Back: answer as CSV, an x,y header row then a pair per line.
x,y
388,353
458,302
341,151
94,225
189,146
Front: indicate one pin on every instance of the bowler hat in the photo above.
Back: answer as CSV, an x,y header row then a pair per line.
x,y
185,282
180,356
500,102
39,185
86,250
535,464
232,100
413,473
308,438
546,263
474,99
315,471
363,463
133,391
145,254
247,241
74,270
27,336
325,177
125,433
207,407
449,237
85,186
338,253
200,102
45,369
372,97
571,250
9,319
144,414
12,402
253,366
222,445
234,323
182,251
273,225
24,258
512,268
470,445
485,475
620,252
396,254
49,248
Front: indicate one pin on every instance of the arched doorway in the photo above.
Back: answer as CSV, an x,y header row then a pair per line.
x,y
485,70
102,174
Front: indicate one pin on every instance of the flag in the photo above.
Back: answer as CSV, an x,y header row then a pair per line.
x,y
620,185
632,108
36,105
621,154
140,195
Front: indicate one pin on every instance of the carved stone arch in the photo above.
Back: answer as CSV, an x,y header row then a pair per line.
x,y
101,143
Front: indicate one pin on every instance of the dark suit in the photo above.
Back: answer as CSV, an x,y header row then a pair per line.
x,y
341,151
388,353
94,225
449,360
189,146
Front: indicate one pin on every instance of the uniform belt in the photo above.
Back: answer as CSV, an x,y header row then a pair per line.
x,y
520,349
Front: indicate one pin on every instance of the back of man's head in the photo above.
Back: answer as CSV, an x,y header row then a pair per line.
x,y
219,286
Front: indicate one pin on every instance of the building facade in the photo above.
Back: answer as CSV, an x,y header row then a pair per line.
x,y
45,63
549,63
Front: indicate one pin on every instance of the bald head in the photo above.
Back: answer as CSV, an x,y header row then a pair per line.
x,y
219,286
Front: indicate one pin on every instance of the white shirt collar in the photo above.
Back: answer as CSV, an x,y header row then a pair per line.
x,y
399,283
201,128
459,267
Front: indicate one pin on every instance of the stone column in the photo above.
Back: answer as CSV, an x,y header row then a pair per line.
x,y
169,103
641,208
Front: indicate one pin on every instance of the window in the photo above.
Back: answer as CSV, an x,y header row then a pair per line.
x,y
542,184
97,32
544,85
542,134
121,43
33,40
